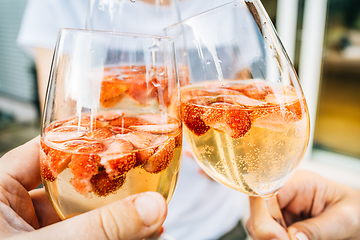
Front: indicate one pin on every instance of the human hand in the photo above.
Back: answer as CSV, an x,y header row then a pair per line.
x,y
313,208
26,213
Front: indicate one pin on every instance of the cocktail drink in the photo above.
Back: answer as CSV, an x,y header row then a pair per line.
x,y
242,135
111,125
245,116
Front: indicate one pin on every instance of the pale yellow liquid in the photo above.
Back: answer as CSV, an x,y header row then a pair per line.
x,y
258,163
68,202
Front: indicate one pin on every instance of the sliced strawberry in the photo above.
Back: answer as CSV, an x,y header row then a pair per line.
x,y
87,122
56,124
44,147
63,134
107,116
233,120
162,158
140,89
59,160
143,155
118,159
191,115
120,130
126,122
81,185
99,134
157,129
102,184
84,166
75,145
92,148
112,92
138,139
257,90
179,140
45,167
298,108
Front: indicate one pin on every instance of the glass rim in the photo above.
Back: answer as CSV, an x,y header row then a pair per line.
x,y
202,13
117,33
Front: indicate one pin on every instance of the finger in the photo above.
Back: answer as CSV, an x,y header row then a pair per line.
x,y
336,222
22,164
134,217
44,210
261,225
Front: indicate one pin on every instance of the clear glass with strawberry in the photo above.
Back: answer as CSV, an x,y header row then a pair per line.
x,y
244,113
111,123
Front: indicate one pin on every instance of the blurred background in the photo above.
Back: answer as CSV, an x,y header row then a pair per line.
x,y
322,39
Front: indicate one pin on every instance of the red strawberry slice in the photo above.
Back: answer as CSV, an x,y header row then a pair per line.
x,y
45,167
81,185
126,122
138,139
120,130
99,134
56,124
112,92
63,134
233,120
140,89
59,160
161,158
257,90
84,166
107,116
179,140
143,154
118,159
192,118
102,185
157,129
87,122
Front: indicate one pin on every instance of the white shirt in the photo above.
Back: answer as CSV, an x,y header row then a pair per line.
x,y
201,209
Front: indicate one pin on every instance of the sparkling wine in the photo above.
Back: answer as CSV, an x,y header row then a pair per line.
x,y
91,160
248,135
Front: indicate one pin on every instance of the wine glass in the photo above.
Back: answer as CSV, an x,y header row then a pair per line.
x,y
111,125
135,16
244,113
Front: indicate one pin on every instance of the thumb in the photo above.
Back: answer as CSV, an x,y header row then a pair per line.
x,y
134,217
331,224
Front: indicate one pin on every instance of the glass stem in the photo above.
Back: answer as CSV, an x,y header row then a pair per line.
x,y
274,209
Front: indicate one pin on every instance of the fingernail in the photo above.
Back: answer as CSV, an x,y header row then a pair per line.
x,y
301,236
150,207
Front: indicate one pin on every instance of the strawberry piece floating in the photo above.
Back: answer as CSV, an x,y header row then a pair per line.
x,y
82,185
63,134
126,122
161,158
45,167
112,91
118,159
84,166
103,185
233,120
99,134
107,116
59,160
192,118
